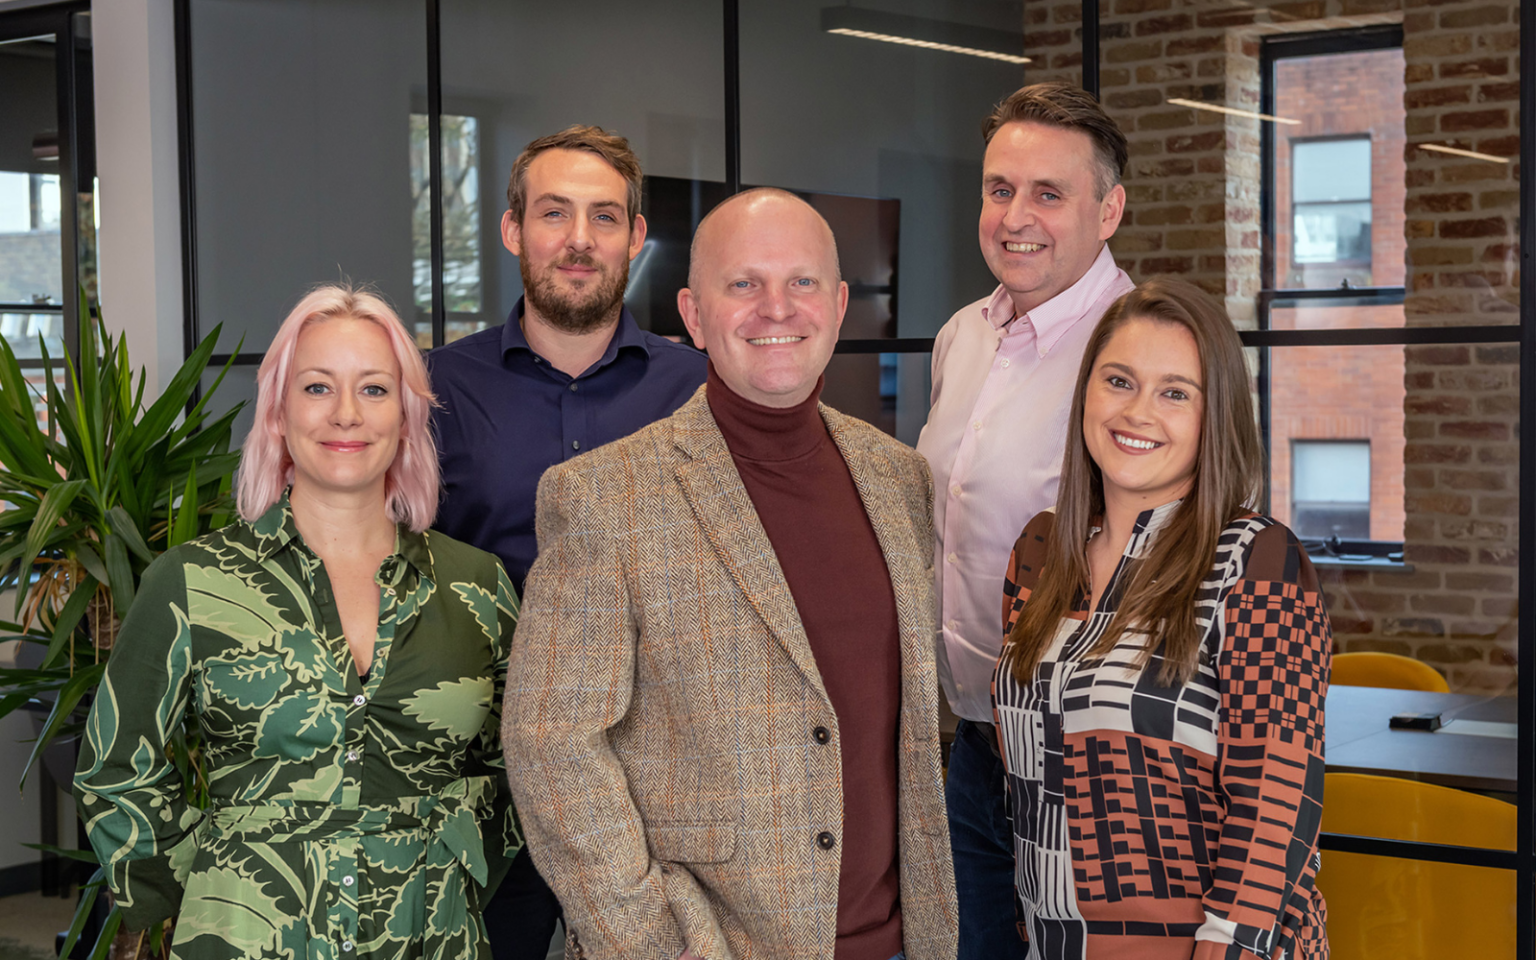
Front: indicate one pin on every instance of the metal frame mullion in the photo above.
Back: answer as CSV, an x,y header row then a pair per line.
x,y
435,166
731,54
69,179
1525,830
1091,47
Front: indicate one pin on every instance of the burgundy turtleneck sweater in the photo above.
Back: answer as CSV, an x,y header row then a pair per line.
x,y
814,518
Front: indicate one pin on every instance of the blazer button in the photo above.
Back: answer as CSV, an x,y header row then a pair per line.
x,y
825,840
822,734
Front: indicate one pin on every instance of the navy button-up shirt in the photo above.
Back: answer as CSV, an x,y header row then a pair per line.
x,y
507,415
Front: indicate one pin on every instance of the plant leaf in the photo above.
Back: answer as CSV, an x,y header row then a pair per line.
x,y
91,561
84,856
69,618
109,927
83,911
55,502
69,697
184,526
122,524
120,572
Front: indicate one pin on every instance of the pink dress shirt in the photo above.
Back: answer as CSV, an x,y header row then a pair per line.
x,y
994,439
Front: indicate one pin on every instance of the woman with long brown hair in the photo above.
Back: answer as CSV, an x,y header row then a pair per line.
x,y
1159,702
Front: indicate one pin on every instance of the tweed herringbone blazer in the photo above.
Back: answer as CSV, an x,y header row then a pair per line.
x,y
662,695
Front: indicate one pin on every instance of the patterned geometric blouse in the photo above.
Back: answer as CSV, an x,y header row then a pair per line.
x,y
1170,822
348,816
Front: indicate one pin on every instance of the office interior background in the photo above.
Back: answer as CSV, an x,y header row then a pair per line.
x,y
1346,175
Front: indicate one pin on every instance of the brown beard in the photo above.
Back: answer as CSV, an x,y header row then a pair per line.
x,y
585,311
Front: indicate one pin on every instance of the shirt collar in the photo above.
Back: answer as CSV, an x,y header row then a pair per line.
x,y
275,531
1057,315
1144,531
627,336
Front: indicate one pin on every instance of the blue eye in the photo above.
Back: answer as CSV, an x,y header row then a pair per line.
x,y
315,389
805,282
1050,196
374,390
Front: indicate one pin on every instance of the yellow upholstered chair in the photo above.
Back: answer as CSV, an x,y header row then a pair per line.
x,y
1386,670
1383,907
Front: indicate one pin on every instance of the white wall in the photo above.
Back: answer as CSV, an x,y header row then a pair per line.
x,y
136,161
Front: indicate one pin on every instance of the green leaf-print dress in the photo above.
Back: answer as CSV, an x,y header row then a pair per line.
x,y
349,817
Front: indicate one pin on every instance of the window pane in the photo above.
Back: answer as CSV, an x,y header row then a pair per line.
x,y
31,257
1342,140
1333,233
1339,471
303,155
512,73
839,113
1331,169
889,390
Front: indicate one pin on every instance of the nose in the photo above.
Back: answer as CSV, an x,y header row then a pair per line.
x,y
347,412
580,237
1019,215
1139,410
776,303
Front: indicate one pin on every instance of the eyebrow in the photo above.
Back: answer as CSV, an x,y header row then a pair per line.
x,y
1170,378
557,198
365,373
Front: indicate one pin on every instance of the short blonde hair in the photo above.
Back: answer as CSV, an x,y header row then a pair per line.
x,y
266,469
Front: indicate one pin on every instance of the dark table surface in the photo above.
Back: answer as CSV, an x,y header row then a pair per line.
x,y
1359,740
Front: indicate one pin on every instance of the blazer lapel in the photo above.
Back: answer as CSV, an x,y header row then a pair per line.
x,y
886,502
720,501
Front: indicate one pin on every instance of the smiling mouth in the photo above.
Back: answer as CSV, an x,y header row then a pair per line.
x,y
1133,443
344,446
1023,247
765,341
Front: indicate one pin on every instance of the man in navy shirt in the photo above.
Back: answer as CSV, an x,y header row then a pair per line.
x,y
570,370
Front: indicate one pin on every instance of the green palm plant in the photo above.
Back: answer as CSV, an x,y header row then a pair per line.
x,y
85,505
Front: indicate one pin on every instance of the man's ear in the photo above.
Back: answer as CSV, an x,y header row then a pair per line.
x,y
688,306
636,236
1111,209
511,234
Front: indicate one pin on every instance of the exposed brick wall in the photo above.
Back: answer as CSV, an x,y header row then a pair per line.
x,y
1193,191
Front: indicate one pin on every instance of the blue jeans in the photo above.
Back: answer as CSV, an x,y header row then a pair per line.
x,y
982,842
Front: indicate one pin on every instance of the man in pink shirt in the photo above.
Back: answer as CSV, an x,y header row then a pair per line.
x,y
1004,369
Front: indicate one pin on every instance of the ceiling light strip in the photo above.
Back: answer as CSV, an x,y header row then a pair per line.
x,y
1458,152
1231,111
929,45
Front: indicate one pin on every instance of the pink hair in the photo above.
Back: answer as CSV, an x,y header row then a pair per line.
x,y
411,484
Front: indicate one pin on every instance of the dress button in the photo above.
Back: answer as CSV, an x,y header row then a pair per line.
x,y
1006,361
346,946
952,558
822,734
575,444
976,425
825,840
359,700
351,756
954,488
347,881
573,388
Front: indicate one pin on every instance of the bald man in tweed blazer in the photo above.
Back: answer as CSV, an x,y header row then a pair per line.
x,y
671,745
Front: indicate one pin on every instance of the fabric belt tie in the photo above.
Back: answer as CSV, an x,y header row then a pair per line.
x,y
446,823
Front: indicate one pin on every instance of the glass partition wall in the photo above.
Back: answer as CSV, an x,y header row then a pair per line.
x,y
1344,174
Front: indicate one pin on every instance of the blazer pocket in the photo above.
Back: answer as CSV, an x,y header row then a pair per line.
x,y
692,841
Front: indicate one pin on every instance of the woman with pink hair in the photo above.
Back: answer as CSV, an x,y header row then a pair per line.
x,y
346,667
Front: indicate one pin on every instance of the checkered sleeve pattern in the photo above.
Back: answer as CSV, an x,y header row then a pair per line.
x,y
1273,673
